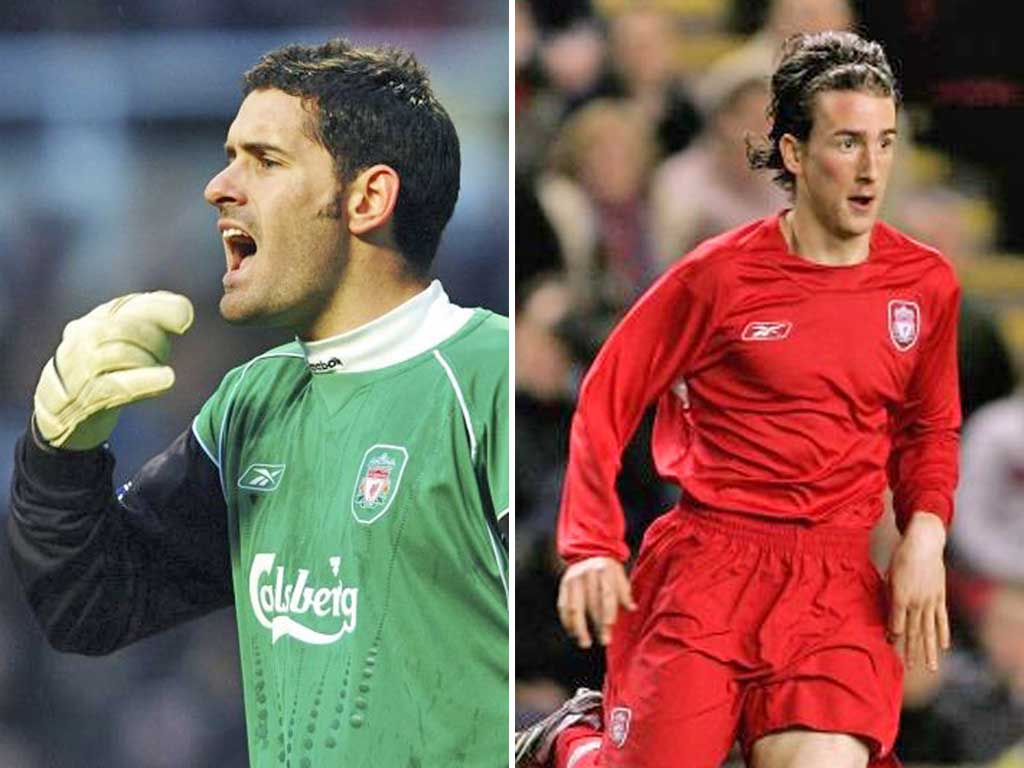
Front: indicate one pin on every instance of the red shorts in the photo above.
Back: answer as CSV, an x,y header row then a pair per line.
x,y
744,628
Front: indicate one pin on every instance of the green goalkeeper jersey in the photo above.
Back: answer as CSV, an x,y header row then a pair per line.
x,y
365,478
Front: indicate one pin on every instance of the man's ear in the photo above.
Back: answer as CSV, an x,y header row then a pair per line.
x,y
371,198
789,148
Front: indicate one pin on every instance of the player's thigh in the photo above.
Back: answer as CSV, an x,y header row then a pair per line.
x,y
838,676
672,695
809,749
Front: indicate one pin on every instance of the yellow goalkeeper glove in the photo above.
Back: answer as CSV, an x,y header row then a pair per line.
x,y
113,356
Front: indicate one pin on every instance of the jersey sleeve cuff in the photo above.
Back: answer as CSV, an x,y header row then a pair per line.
x,y
935,502
63,469
574,554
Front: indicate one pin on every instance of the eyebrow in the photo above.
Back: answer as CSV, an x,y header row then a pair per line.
x,y
257,148
847,132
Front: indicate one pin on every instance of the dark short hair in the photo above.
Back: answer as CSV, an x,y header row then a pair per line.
x,y
370,106
812,64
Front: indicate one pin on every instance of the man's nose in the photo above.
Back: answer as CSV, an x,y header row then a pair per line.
x,y
868,167
224,189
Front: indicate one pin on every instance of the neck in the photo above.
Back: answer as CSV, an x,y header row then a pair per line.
x,y
807,238
368,289
415,326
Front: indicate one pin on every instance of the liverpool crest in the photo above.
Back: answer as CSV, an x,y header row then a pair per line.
x,y
377,481
618,726
904,323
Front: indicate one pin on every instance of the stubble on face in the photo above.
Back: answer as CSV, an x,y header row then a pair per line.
x,y
334,210
305,281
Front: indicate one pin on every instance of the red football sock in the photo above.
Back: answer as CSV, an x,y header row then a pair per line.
x,y
578,747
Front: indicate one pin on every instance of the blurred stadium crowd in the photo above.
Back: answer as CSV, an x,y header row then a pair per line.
x,y
112,119
631,121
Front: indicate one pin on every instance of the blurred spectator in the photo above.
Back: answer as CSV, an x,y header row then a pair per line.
x,y
988,530
537,112
595,197
643,41
572,59
526,38
544,364
709,188
545,378
557,69
940,217
547,661
560,68
547,373
757,56
537,249
973,710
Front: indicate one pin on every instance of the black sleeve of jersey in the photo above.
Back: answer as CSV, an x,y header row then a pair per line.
x,y
102,570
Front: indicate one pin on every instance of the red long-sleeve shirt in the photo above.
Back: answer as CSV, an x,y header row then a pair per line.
x,y
786,389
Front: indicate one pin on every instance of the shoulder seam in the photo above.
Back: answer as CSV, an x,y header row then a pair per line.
x,y
234,390
495,549
696,264
219,461
462,402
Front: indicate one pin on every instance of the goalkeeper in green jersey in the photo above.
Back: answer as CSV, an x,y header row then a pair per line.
x,y
346,492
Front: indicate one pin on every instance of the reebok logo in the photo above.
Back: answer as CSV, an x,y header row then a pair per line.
x,y
289,608
762,330
324,366
261,477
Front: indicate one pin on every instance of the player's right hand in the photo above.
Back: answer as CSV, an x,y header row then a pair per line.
x,y
593,588
113,356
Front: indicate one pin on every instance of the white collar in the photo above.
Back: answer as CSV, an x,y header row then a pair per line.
x,y
413,327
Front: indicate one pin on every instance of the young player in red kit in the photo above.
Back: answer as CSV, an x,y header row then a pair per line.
x,y
800,364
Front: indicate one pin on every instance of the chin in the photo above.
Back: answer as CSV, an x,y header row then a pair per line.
x,y
237,311
858,229
856,226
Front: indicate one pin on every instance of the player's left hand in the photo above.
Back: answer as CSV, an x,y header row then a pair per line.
x,y
918,623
